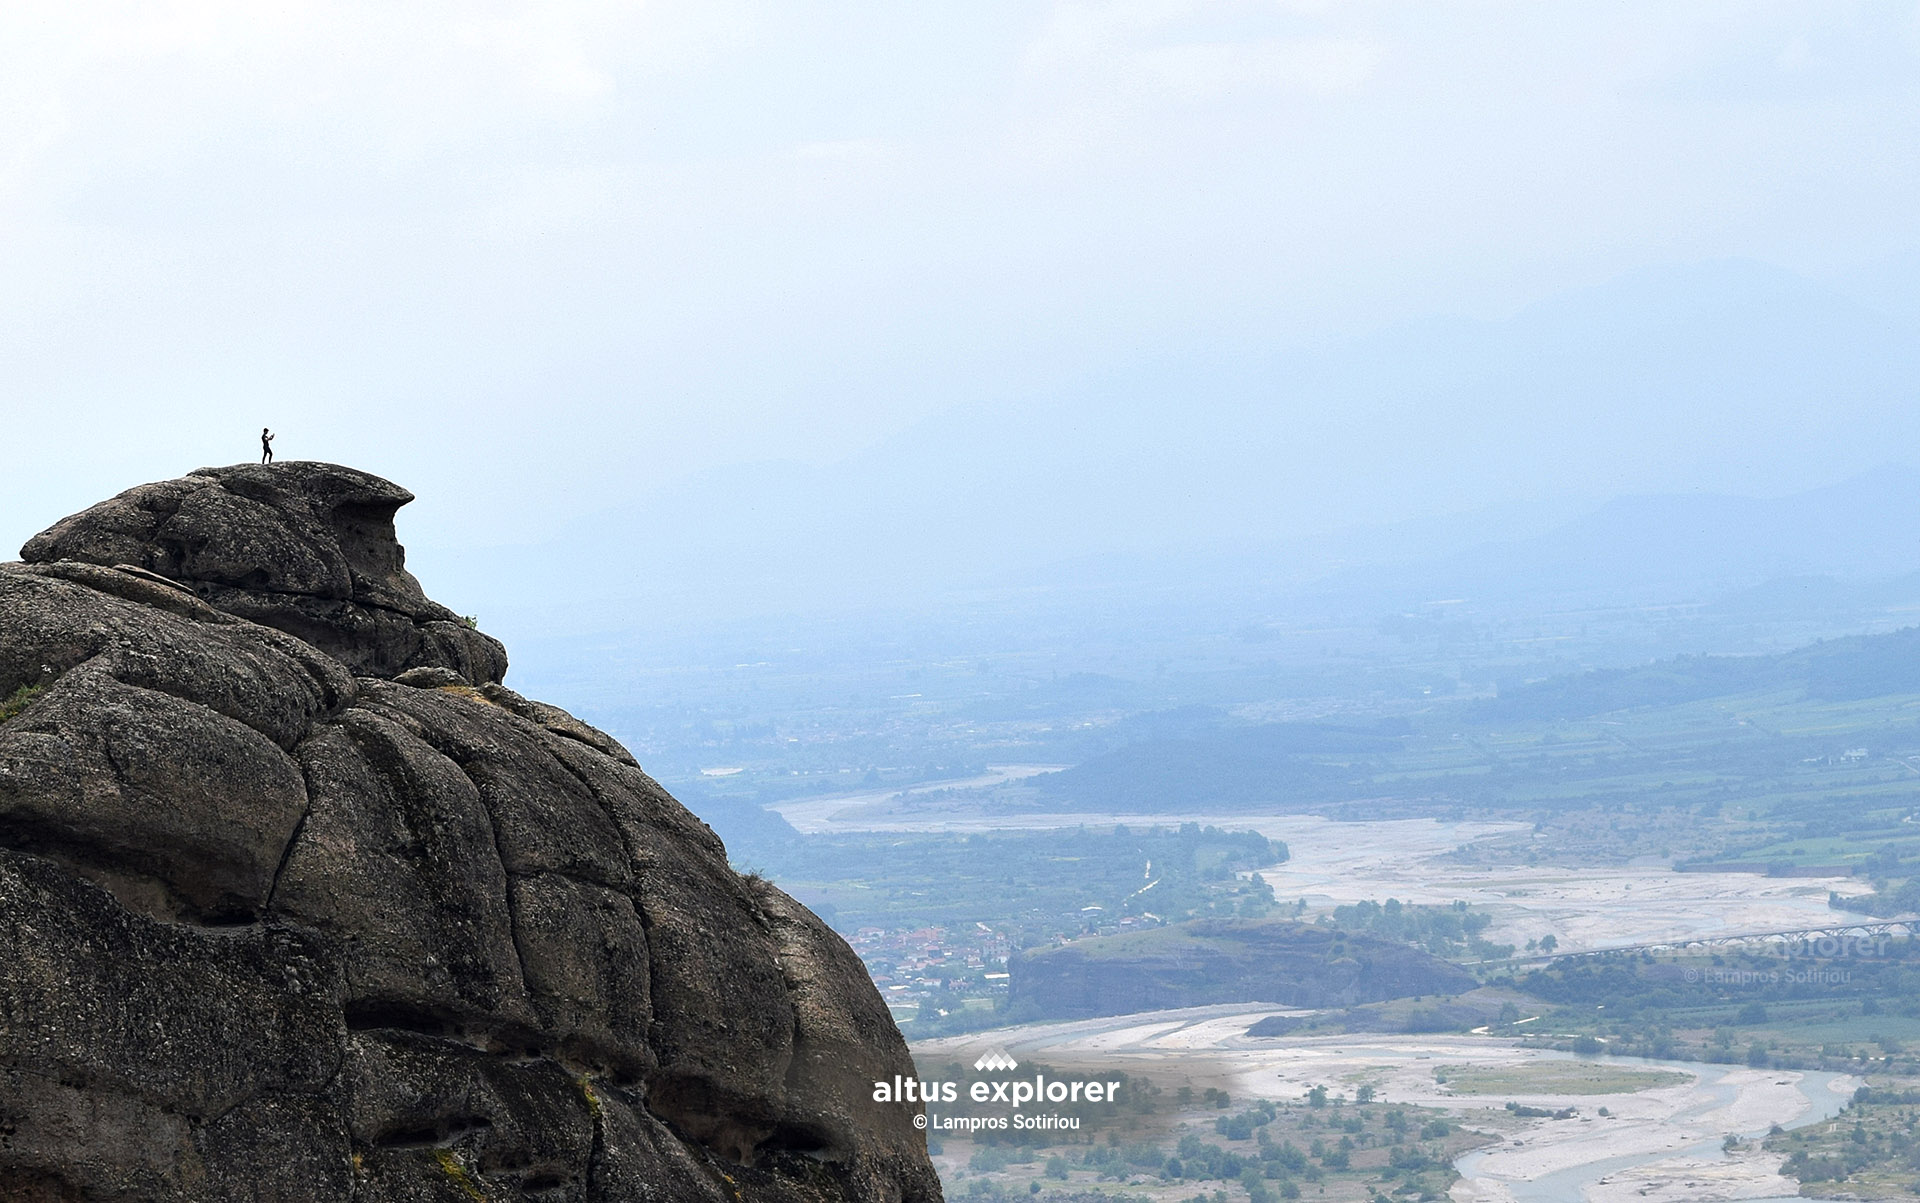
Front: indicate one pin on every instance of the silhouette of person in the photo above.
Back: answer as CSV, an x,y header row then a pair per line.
x,y
266,445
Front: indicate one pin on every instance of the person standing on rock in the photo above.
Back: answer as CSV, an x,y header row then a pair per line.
x,y
266,445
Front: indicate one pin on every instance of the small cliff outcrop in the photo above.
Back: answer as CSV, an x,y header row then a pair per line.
x,y
299,902
1223,961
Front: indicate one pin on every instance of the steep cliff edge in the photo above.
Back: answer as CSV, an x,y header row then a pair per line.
x,y
299,902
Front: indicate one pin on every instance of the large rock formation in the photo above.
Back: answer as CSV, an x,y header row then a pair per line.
x,y
299,902
1224,961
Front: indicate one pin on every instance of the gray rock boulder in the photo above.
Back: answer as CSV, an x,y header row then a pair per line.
x,y
306,548
299,902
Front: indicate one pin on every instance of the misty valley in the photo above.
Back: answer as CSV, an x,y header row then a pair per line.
x,y
1477,897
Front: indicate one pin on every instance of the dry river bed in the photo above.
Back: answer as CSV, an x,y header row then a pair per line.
x,y
1333,863
1661,1143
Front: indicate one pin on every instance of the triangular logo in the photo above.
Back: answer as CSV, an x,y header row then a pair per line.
x,y
996,1059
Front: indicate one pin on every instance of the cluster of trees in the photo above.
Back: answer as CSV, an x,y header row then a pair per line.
x,y
1627,985
1454,930
1896,885
1276,1169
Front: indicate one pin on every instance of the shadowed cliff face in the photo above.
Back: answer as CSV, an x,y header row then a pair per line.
x,y
299,902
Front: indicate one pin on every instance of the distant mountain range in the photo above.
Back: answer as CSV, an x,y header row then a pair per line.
x,y
1862,666
1183,477
1679,547
1202,761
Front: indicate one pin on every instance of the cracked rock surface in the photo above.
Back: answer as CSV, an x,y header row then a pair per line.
x,y
299,902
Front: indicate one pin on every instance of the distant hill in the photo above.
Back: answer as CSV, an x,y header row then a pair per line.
x,y
1862,666
1222,961
1492,752
1228,766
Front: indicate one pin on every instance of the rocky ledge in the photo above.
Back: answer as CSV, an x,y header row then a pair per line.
x,y
299,902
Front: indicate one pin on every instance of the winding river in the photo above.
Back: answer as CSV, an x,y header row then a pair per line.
x,y
1695,1169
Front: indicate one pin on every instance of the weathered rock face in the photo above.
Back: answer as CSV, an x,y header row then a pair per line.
x,y
1224,960
298,902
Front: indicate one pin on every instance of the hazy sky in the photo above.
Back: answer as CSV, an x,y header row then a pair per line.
x,y
531,260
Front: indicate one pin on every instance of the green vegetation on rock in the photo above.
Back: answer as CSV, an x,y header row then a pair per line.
x,y
19,700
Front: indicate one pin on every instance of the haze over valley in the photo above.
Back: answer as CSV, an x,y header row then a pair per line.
x,y
1682,732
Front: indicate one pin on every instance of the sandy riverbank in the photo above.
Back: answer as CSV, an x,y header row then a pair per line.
x,y
881,809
